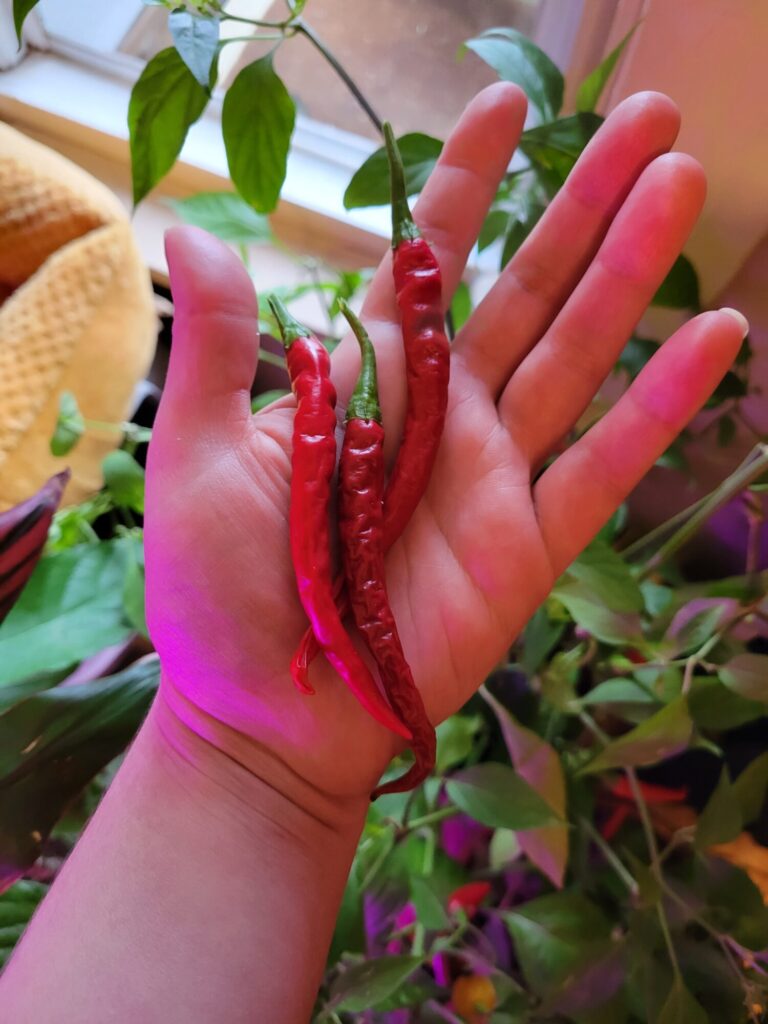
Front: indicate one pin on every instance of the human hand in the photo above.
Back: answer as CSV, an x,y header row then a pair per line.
x,y
486,544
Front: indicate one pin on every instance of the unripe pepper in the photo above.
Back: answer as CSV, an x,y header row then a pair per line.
x,y
312,465
361,521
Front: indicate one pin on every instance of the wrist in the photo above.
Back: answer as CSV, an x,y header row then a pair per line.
x,y
244,775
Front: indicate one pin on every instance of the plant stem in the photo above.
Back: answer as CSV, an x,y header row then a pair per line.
x,y
341,71
752,467
653,850
432,818
271,358
659,531
610,856
255,22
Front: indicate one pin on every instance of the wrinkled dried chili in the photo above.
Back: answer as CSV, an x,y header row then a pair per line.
x,y
361,531
312,465
418,288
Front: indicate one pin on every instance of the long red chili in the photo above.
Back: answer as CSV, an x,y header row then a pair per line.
x,y
312,465
361,531
418,288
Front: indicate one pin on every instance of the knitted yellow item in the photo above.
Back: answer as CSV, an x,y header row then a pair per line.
x,y
80,319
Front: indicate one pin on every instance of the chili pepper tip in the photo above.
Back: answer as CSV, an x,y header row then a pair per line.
x,y
364,403
403,226
290,328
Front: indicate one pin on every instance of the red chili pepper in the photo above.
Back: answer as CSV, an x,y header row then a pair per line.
x,y
361,516
468,897
418,288
652,794
312,465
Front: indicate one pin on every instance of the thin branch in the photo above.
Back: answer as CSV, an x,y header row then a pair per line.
x,y
610,856
341,71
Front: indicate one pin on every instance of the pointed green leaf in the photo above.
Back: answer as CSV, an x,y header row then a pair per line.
x,y
591,88
714,706
164,102
455,740
608,576
555,936
225,215
538,763
367,984
515,58
662,735
539,639
257,122
750,789
369,185
720,821
747,675
124,479
429,908
590,611
497,796
556,146
21,9
461,305
681,1008
196,37
70,425
17,905
619,691
680,288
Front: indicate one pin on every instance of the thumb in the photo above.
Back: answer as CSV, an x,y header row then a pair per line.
x,y
215,345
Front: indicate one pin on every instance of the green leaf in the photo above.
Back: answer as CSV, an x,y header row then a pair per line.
x,y
591,88
590,612
494,226
257,121
369,185
732,902
680,1007
680,288
539,639
70,425
556,935
609,577
619,691
225,215
495,795
539,764
637,352
520,227
559,678
267,398
133,596
747,675
730,386
698,629
714,706
662,735
71,608
555,147
17,905
455,740
124,479
429,908
164,102
590,986
461,305
52,744
750,788
365,985
515,58
196,38
21,9
720,821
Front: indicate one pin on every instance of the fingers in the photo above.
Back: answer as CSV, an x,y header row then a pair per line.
x,y
215,337
541,275
558,379
451,208
582,488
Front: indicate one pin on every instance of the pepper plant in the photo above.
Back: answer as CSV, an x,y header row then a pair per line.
x,y
587,848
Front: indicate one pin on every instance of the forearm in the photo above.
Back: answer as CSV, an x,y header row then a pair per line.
x,y
198,893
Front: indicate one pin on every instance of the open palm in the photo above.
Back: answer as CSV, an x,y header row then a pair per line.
x,y
487,542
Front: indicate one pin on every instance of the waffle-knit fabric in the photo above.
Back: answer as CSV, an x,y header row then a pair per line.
x,y
77,314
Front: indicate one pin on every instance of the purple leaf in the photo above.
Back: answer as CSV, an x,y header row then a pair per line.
x,y
23,532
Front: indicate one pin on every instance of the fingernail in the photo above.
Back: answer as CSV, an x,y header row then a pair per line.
x,y
740,319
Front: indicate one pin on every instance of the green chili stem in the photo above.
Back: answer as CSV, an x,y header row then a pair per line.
x,y
403,226
364,403
290,328
341,71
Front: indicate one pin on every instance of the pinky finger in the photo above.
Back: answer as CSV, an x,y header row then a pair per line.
x,y
584,486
